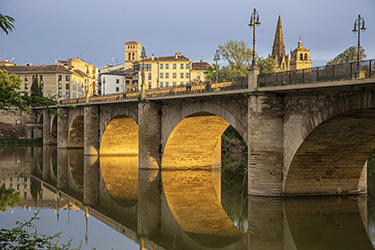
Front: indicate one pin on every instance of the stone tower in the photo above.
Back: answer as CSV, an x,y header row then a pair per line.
x,y
132,53
278,49
300,58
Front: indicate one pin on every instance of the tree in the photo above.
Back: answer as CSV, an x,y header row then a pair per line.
x,y
238,56
15,101
8,197
266,65
36,89
348,55
6,23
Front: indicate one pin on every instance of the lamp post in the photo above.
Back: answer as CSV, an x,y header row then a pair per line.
x,y
217,58
143,55
357,28
254,21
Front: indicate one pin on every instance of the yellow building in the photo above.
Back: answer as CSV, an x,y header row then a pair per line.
x,y
300,58
162,72
56,80
197,71
91,73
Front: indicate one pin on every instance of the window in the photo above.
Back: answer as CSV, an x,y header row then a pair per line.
x,y
60,78
166,75
26,86
301,56
161,66
305,56
60,86
60,94
174,66
181,83
187,75
117,89
41,78
26,79
67,95
181,74
174,75
67,86
181,66
149,85
174,84
33,77
117,81
187,66
161,84
161,75
167,66
198,76
149,76
67,78
166,84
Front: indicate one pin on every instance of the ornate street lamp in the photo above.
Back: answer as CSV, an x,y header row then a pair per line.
x,y
254,21
357,28
217,58
143,55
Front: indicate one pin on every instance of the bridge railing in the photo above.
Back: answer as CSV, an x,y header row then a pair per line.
x,y
204,87
328,73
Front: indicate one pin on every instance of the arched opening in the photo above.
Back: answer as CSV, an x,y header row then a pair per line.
x,y
331,160
76,133
192,180
54,129
305,57
119,160
301,56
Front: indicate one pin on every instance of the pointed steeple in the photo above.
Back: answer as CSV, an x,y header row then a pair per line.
x,y
278,49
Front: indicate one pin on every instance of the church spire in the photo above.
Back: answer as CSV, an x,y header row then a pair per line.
x,y
278,49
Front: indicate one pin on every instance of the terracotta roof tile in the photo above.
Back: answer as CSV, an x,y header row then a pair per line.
x,y
200,65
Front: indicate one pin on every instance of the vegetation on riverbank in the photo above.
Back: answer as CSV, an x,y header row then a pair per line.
x,y
14,143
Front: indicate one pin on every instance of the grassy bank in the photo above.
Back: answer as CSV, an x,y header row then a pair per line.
x,y
14,143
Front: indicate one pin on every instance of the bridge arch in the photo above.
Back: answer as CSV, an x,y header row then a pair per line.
x,y
236,119
330,148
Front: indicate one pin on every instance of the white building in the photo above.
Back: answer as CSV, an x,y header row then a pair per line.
x,y
112,80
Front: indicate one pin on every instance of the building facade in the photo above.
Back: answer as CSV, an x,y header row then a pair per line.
x,y
132,53
300,58
56,80
115,80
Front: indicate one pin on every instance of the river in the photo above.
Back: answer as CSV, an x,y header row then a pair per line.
x,y
108,203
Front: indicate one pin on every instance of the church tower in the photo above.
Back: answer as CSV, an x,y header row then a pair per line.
x,y
300,58
278,49
132,53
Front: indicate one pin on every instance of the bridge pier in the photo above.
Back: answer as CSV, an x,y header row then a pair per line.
x,y
62,128
46,127
91,130
265,135
149,122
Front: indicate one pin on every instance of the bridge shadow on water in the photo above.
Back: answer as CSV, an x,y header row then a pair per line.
x,y
182,209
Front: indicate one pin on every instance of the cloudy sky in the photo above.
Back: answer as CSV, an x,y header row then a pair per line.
x,y
96,30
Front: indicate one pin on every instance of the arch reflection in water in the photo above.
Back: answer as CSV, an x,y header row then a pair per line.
x,y
120,176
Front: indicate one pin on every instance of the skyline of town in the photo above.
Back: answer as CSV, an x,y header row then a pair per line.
x,y
70,33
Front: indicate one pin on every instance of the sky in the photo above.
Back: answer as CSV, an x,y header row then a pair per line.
x,y
95,30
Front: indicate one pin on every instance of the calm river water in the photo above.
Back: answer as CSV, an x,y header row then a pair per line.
x,y
108,203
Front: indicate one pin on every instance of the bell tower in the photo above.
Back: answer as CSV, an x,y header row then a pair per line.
x,y
300,58
132,53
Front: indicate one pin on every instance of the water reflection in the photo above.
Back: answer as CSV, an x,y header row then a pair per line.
x,y
175,210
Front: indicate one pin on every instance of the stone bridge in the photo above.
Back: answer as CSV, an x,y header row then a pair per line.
x,y
304,139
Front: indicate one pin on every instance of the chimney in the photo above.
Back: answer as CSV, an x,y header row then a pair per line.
x,y
176,56
179,54
152,57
